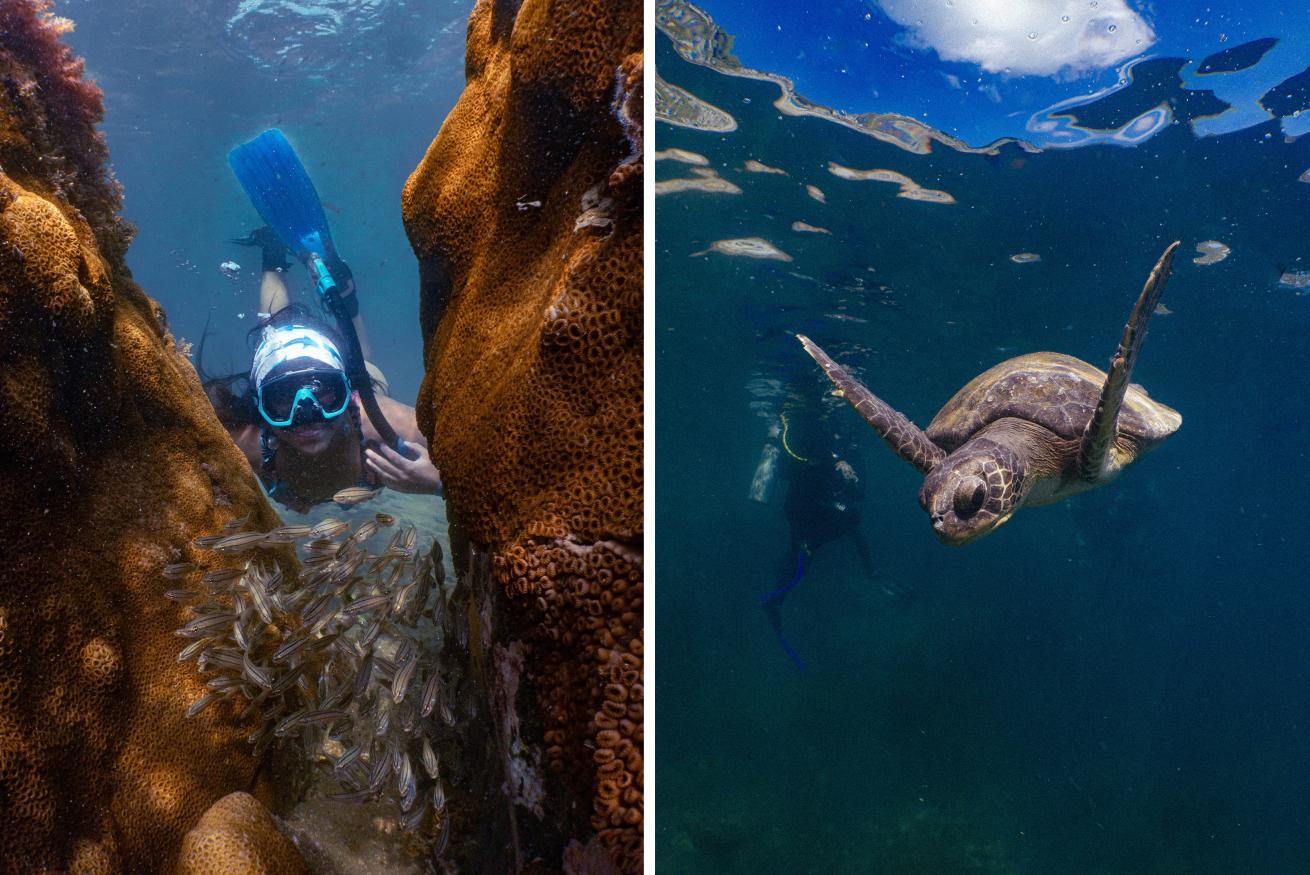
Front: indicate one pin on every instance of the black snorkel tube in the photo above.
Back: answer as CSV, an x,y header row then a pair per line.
x,y
356,373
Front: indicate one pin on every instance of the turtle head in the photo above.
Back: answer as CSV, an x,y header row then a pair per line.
x,y
972,491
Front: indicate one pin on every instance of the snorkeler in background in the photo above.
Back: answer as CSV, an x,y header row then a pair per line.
x,y
295,414
824,496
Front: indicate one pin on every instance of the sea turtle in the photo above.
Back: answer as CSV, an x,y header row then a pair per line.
x,y
1031,430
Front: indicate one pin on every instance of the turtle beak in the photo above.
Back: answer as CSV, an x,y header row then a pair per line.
x,y
962,537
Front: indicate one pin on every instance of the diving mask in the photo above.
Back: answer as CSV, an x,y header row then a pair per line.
x,y
321,383
282,401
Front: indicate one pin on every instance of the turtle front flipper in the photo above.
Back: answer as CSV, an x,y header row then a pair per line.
x,y
1101,428
903,436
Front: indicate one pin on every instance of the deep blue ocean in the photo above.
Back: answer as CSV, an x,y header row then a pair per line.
x,y
359,87
1115,683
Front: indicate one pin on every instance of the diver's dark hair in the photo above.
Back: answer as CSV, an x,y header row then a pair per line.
x,y
229,395
232,399
232,396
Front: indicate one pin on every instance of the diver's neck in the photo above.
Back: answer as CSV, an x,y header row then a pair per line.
x,y
318,477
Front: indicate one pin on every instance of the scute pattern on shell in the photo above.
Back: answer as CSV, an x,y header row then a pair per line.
x,y
1053,390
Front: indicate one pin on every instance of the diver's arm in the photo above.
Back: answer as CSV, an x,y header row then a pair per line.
x,y
273,262
403,419
247,440
346,290
358,322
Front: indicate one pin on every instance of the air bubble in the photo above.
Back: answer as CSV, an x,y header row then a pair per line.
x,y
1112,28
1064,18
1032,34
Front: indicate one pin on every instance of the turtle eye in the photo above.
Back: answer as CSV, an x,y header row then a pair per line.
x,y
970,497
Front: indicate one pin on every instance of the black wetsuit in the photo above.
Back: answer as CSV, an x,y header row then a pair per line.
x,y
822,505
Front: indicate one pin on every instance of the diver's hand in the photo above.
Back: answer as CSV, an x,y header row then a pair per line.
x,y
405,475
273,249
342,274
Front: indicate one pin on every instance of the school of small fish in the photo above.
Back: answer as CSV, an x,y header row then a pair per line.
x,y
333,658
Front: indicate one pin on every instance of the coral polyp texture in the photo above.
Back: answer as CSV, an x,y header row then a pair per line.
x,y
525,215
236,836
111,461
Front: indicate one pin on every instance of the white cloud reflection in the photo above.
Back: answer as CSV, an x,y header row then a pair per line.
x,y
1025,37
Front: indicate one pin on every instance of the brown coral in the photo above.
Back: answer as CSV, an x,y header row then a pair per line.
x,y
237,837
111,462
526,218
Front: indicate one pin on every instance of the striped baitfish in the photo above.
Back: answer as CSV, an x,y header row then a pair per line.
x,y
430,690
240,542
353,495
430,763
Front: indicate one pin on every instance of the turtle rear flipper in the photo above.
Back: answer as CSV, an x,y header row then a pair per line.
x,y
1102,427
904,437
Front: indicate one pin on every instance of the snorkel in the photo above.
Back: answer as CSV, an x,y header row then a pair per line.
x,y
358,376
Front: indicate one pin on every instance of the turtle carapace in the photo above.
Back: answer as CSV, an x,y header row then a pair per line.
x,y
1031,430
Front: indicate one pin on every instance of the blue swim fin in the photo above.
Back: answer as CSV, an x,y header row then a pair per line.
x,y
283,194
772,603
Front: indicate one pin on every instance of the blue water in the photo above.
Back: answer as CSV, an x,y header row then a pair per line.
x,y
359,88
1116,683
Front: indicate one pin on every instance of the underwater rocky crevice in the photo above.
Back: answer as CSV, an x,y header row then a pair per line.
x,y
113,464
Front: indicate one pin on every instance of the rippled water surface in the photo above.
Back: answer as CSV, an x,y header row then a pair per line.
x,y
1115,683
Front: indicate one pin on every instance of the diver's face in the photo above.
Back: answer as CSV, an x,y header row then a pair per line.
x,y
971,493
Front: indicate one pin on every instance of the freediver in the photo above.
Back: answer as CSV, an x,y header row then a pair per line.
x,y
822,505
297,413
